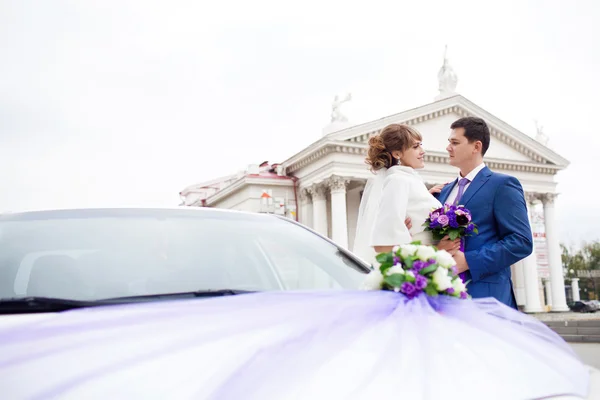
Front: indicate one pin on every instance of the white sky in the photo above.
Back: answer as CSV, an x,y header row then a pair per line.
x,y
126,103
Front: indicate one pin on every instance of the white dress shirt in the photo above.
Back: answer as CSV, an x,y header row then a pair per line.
x,y
470,177
403,195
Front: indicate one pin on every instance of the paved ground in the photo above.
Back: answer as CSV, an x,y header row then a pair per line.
x,y
589,353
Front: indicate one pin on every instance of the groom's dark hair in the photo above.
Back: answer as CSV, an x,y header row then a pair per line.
x,y
475,129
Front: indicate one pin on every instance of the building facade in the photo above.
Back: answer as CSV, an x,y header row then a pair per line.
x,y
321,185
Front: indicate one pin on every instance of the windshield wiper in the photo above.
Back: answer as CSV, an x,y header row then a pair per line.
x,y
159,296
34,304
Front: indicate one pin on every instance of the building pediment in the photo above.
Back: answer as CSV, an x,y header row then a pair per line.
x,y
433,121
510,150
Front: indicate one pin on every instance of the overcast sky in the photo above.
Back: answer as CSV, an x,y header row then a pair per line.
x,y
128,102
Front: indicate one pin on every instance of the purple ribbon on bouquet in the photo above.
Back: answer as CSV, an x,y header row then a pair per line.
x,y
463,275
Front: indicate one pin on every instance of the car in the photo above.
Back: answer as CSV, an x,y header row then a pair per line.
x,y
584,306
114,302
124,255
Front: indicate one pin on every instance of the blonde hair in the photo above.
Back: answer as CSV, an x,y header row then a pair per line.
x,y
394,137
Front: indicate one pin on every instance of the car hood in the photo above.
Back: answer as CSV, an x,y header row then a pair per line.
x,y
12,321
92,352
171,349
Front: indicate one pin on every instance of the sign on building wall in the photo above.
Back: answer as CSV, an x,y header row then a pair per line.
x,y
279,206
272,205
539,241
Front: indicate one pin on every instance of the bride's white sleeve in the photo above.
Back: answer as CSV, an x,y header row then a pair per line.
x,y
389,228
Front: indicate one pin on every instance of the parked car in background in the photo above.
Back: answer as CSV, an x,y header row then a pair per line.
x,y
585,306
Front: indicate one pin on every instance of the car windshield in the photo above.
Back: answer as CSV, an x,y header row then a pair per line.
x,y
99,254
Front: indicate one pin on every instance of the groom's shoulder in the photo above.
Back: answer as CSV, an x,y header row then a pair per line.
x,y
504,179
501,177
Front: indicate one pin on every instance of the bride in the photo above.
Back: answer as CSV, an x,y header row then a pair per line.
x,y
396,193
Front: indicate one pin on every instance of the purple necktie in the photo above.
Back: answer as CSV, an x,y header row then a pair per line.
x,y
461,188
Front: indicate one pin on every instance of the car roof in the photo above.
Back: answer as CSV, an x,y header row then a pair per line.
x,y
206,212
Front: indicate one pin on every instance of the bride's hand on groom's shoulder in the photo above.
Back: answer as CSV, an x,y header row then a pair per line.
x,y
451,246
436,189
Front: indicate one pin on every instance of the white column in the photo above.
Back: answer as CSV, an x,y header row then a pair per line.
x,y
339,214
305,207
559,300
548,288
517,271
318,194
575,287
353,205
530,272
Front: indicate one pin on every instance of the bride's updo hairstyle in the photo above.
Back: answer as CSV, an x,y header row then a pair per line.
x,y
394,137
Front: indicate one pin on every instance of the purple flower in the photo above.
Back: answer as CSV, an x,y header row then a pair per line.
x,y
419,265
463,295
462,219
469,228
409,290
420,282
450,290
443,220
434,215
452,221
463,211
454,269
397,260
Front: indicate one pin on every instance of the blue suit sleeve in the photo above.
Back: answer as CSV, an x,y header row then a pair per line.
x,y
514,232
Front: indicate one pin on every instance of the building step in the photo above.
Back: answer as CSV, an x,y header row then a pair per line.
x,y
587,331
575,330
581,338
580,323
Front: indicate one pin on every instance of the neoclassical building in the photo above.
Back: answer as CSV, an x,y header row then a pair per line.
x,y
321,185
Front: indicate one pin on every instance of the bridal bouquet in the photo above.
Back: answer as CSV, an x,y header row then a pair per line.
x,y
413,269
454,221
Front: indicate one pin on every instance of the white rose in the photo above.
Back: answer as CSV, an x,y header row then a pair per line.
x,y
441,279
444,259
396,269
458,286
408,250
373,281
425,253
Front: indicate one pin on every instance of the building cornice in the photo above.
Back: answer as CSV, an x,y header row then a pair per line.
x,y
431,157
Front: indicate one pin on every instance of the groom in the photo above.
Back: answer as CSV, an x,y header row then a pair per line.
x,y
498,206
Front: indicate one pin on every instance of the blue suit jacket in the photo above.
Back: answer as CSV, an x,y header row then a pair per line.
x,y
498,207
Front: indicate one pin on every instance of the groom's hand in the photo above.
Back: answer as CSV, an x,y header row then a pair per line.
x,y
461,261
408,223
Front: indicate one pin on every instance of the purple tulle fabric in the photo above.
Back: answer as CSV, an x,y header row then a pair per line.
x,y
292,345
